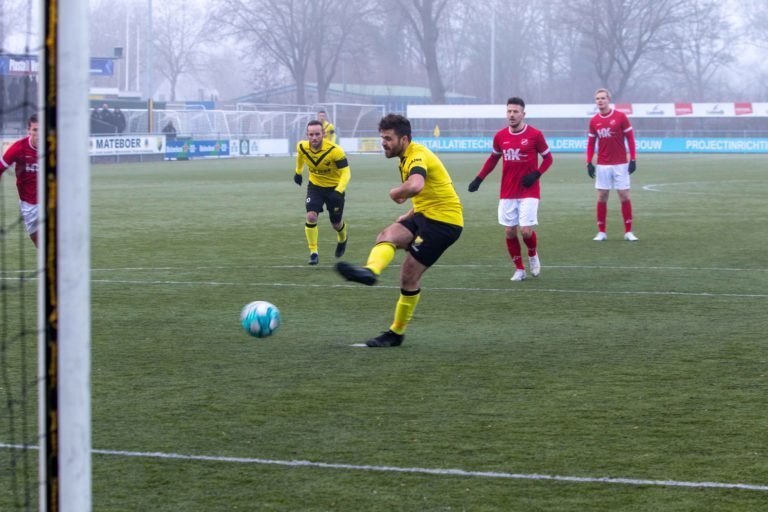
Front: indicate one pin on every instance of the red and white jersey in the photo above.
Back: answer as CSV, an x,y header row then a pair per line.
x,y
520,153
610,130
24,155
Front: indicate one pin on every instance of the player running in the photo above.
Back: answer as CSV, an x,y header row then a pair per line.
x,y
433,224
519,145
609,128
328,178
23,153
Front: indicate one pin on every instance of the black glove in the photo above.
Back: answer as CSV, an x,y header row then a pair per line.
x,y
591,170
632,166
475,184
530,178
297,179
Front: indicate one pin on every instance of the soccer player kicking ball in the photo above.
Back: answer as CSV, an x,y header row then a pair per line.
x,y
519,145
432,225
23,153
609,128
328,178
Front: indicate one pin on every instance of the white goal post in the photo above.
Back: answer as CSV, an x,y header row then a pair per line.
x,y
64,258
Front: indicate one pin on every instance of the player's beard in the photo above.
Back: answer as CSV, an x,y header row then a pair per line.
x,y
392,152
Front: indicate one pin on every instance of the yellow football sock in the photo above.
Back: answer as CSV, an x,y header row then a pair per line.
x,y
311,231
404,310
341,235
381,255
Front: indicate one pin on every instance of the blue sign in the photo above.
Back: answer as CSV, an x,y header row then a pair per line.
x,y
102,66
181,149
27,65
579,145
457,144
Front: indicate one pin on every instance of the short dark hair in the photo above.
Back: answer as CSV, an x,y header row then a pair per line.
x,y
400,124
32,119
314,122
514,100
322,111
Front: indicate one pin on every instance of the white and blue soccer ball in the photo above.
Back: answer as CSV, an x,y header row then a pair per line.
x,y
260,318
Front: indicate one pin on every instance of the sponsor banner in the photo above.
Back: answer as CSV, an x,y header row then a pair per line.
x,y
669,145
28,65
579,145
457,144
585,111
191,148
126,145
743,109
18,65
258,147
361,144
683,109
102,66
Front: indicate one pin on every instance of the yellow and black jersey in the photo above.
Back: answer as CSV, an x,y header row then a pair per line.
x,y
330,132
328,166
438,199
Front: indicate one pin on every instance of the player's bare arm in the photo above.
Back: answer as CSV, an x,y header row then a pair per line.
x,y
411,187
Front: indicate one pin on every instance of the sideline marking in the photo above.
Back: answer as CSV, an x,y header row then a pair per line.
x,y
426,471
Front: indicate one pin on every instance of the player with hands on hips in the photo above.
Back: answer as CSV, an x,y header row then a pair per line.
x,y
520,145
609,129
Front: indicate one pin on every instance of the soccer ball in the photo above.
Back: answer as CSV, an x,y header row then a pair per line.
x,y
260,318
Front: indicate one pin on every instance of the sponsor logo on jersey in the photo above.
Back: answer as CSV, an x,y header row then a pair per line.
x,y
603,133
512,154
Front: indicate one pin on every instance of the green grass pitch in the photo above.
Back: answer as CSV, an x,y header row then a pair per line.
x,y
643,361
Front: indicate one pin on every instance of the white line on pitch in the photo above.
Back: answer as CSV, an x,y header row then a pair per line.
x,y
465,265
655,187
438,288
425,471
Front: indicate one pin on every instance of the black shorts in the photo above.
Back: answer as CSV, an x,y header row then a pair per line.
x,y
431,238
333,201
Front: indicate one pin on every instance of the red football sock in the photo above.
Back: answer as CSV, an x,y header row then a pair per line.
x,y
602,213
626,212
531,244
513,246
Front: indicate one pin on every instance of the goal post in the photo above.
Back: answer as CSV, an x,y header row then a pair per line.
x,y
64,259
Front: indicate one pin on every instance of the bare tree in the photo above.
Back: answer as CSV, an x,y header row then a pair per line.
x,y
756,12
14,16
704,43
425,17
621,34
180,32
454,58
336,24
284,29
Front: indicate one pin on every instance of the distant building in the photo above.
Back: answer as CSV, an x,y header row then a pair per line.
x,y
395,98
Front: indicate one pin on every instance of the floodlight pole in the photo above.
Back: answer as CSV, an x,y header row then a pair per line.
x,y
149,50
493,53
